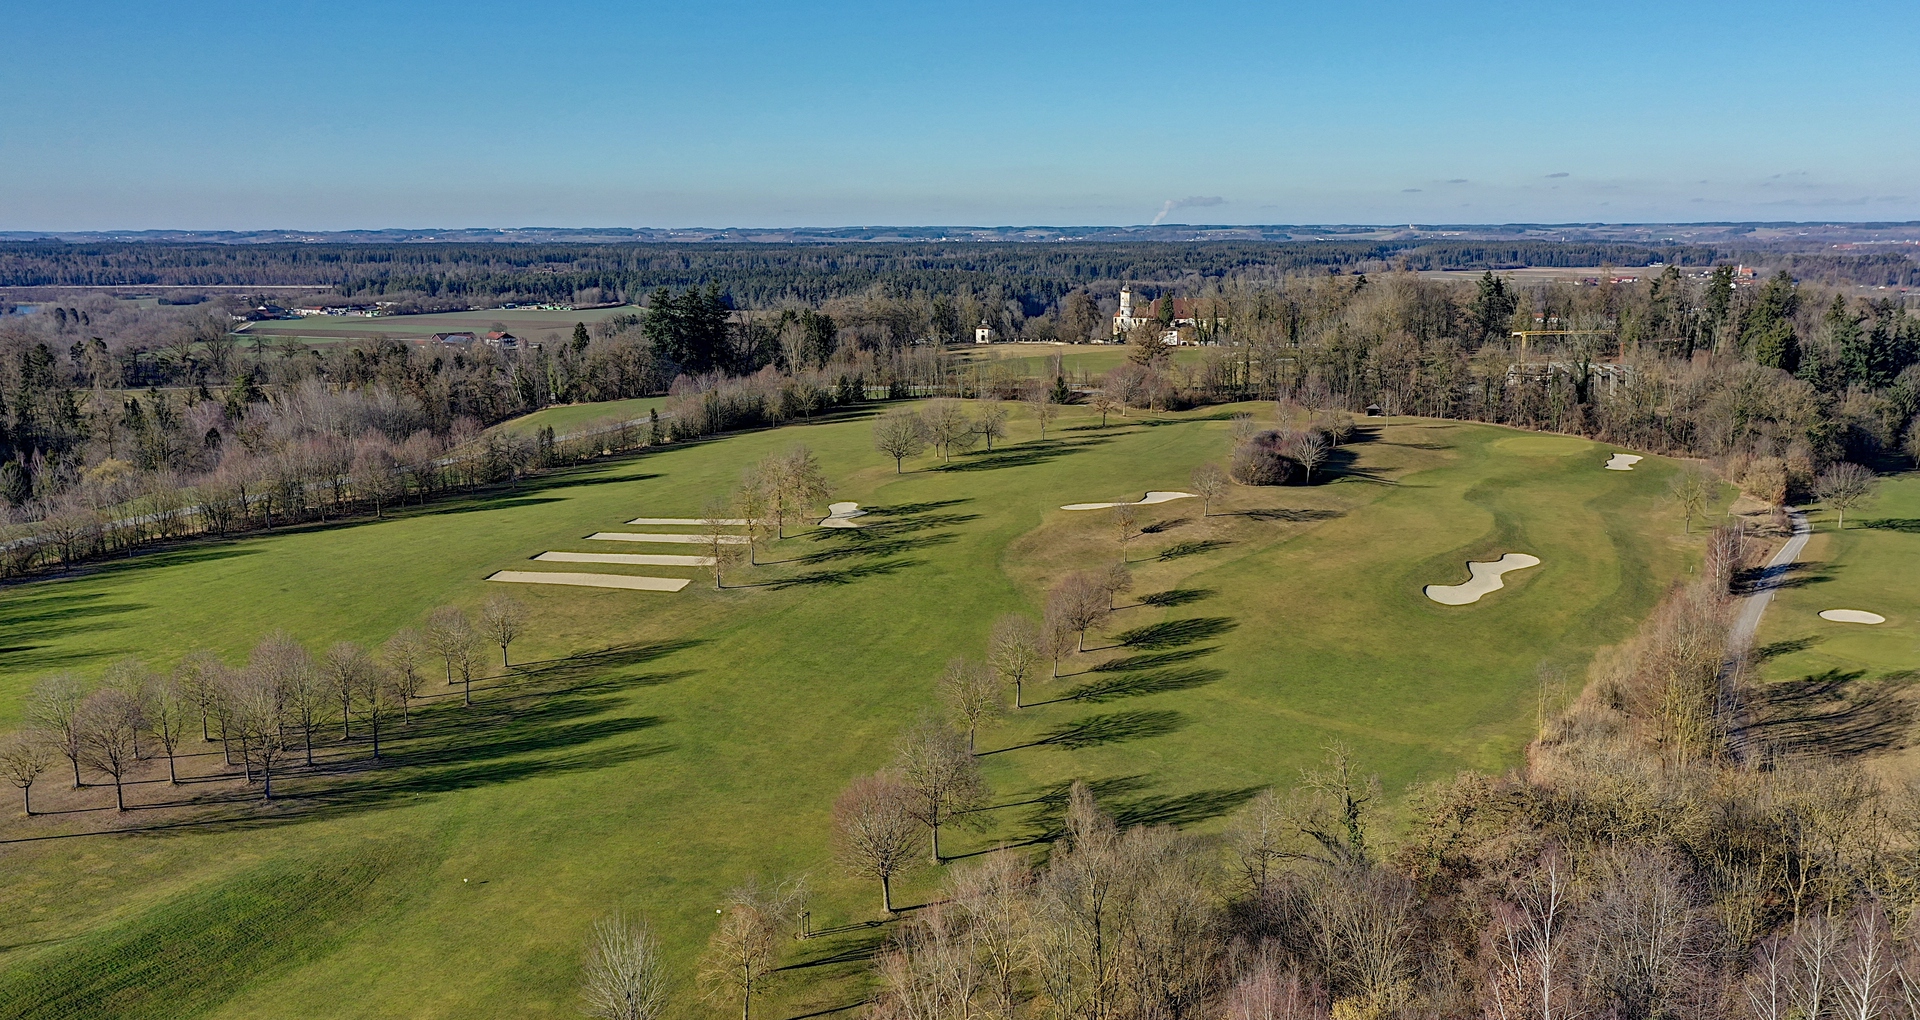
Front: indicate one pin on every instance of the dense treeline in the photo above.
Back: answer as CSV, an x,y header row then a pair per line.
x,y
764,276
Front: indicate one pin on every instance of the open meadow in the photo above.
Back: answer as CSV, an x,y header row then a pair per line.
x,y
529,323
650,750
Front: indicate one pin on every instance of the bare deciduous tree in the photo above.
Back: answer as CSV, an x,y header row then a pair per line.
x,y
24,755
1844,486
1079,602
947,426
942,773
199,675
452,637
1013,652
170,709
1105,404
991,423
259,713
502,617
900,434
1115,581
971,692
744,950
720,541
110,723
1126,522
1209,482
994,894
347,667
1691,490
624,977
403,654
54,707
1045,411
874,831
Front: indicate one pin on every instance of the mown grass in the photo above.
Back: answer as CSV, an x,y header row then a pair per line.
x,y
1872,565
658,749
565,418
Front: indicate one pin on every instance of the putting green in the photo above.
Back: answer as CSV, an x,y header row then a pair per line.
x,y
653,751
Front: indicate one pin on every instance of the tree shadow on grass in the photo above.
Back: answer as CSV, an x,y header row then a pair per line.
x,y
1136,685
1158,527
1787,647
1291,516
1046,822
1177,597
1908,525
1191,548
1097,730
1775,578
1837,713
1020,455
32,624
872,547
844,575
1175,633
1153,660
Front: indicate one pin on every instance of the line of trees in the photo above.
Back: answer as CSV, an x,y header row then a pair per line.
x,y
282,704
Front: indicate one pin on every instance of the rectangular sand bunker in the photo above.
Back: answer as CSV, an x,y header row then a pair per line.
x,y
628,559
692,522
634,536
592,580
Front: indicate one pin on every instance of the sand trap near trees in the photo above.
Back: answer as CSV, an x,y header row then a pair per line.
x,y
1484,577
1151,498
1851,616
841,515
628,559
1623,461
692,522
592,580
635,536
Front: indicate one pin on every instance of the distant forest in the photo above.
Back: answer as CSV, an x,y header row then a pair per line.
x,y
441,276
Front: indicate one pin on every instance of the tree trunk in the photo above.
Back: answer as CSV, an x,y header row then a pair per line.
x,y
266,773
172,778
26,796
1017,693
205,737
346,720
119,799
504,664
308,744
76,772
375,720
466,696
936,840
886,895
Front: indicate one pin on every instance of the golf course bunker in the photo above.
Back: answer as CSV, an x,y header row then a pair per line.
x,y
628,559
1484,577
1151,498
1851,616
1623,461
634,536
592,580
692,522
841,515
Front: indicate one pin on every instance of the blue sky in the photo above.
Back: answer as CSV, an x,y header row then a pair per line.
x,y
343,115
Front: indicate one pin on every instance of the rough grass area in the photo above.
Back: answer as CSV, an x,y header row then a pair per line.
x,y
653,750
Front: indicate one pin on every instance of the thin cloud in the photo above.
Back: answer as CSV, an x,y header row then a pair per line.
x,y
1408,191
1190,202
1562,173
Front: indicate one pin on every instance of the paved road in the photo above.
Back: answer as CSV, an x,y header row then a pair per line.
x,y
1755,604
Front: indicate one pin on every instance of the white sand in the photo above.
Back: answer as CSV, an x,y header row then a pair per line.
x,y
841,515
592,580
628,559
634,536
1851,616
1623,461
1151,498
692,522
1483,578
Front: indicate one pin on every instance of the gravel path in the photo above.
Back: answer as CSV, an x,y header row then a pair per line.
x,y
1755,604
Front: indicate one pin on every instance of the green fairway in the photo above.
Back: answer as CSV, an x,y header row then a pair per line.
x,y
1872,565
1077,361
656,749
565,418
